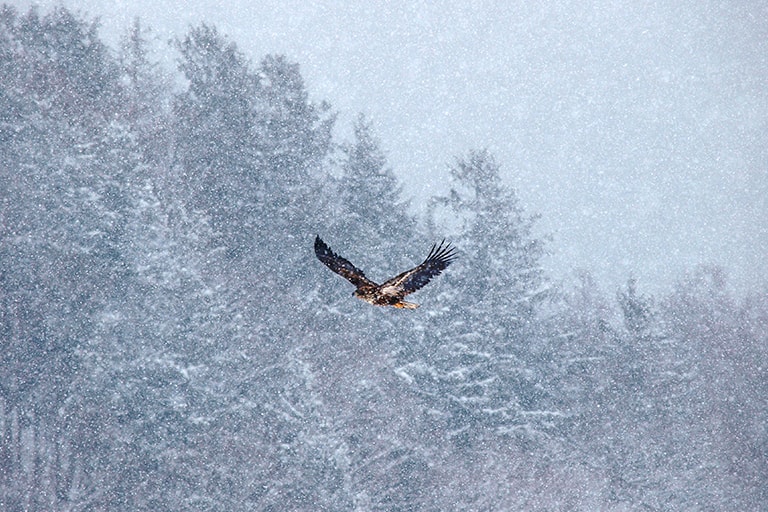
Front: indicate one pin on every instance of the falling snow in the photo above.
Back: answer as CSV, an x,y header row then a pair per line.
x,y
168,340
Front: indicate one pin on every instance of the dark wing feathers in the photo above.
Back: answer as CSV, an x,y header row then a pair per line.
x,y
439,258
340,265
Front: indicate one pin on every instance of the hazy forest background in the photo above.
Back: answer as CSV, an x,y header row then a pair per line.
x,y
168,340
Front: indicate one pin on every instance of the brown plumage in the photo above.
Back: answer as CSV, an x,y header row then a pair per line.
x,y
391,292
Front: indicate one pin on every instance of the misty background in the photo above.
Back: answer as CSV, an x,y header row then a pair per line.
x,y
169,341
637,130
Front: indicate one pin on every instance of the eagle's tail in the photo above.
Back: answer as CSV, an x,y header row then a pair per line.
x,y
406,305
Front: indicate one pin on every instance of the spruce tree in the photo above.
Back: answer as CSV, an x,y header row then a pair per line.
x,y
480,356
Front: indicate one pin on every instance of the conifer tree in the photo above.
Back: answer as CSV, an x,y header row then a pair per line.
x,y
371,212
216,157
293,138
481,350
62,208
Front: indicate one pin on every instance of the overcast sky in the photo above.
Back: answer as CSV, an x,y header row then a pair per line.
x,y
638,130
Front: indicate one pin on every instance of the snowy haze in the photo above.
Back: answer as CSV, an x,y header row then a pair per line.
x,y
170,341
637,130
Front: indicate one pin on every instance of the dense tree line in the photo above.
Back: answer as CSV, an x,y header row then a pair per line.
x,y
168,342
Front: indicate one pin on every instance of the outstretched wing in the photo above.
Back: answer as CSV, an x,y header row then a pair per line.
x,y
408,282
340,265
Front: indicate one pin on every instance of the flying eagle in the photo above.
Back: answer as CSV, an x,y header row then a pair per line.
x,y
390,293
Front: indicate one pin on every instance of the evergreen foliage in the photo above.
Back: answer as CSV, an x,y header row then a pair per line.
x,y
169,342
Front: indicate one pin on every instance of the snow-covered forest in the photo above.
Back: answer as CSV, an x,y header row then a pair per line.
x,y
168,340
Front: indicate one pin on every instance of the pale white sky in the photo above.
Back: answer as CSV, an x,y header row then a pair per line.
x,y
638,130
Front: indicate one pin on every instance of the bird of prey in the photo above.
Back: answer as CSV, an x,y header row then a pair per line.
x,y
391,292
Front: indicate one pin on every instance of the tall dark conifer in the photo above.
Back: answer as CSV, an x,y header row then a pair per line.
x,y
216,158
63,214
483,345
370,212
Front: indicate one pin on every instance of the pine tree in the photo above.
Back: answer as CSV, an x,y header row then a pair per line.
x,y
480,364
215,151
370,212
293,137
250,146
293,134
63,209
145,96
497,237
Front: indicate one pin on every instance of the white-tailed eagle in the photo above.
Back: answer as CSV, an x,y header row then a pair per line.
x,y
391,292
